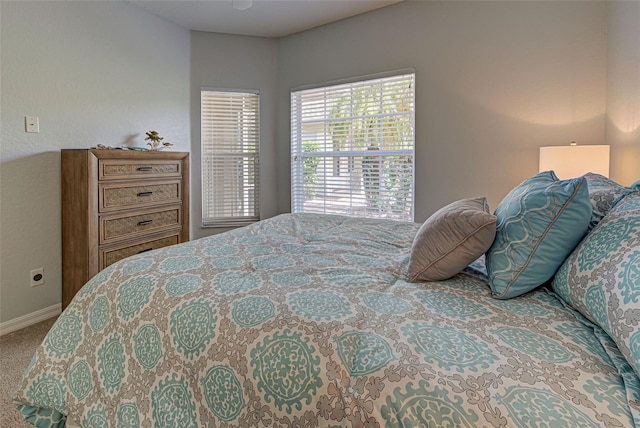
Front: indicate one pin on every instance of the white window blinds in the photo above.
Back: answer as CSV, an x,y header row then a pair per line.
x,y
352,148
230,151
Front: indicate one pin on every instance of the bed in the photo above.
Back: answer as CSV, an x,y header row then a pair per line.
x,y
308,320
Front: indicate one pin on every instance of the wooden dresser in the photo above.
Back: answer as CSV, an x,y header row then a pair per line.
x,y
117,203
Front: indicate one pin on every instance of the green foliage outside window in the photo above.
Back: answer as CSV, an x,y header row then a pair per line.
x,y
357,123
310,169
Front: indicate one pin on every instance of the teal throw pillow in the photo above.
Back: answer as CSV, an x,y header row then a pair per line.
x,y
539,223
601,278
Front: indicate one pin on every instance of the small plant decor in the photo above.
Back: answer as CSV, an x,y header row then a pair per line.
x,y
155,141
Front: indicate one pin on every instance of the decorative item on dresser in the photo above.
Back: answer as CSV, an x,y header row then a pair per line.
x,y
117,203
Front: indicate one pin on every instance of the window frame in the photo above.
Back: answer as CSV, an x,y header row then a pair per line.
x,y
297,140
238,220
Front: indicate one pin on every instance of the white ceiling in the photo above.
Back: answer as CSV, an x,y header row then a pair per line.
x,y
266,18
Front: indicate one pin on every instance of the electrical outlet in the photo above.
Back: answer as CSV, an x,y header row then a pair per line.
x,y
37,277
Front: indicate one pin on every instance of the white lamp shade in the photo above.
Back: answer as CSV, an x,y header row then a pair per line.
x,y
574,161
241,4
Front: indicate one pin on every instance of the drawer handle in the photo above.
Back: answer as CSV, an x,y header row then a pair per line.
x,y
144,251
144,222
145,168
145,193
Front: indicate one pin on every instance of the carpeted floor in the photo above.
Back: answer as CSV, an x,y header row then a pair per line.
x,y
16,350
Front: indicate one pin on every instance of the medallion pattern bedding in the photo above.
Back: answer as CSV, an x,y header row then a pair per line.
x,y
307,320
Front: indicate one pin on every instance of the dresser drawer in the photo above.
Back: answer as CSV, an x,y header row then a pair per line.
x,y
123,169
112,254
118,196
116,227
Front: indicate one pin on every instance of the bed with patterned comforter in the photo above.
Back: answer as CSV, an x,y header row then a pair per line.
x,y
307,320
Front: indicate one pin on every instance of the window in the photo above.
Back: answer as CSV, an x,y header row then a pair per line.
x,y
230,148
352,148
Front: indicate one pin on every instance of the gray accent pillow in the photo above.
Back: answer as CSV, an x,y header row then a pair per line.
x,y
450,239
603,193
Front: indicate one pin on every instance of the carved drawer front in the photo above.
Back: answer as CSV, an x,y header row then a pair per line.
x,y
116,227
116,169
112,254
132,195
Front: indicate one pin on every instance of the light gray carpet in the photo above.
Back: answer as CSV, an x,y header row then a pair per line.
x,y
16,350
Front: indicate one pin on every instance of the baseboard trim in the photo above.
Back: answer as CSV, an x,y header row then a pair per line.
x,y
30,319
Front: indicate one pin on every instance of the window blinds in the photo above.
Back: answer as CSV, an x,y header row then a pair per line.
x,y
352,148
230,151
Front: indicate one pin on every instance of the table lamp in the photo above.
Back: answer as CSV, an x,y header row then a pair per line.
x,y
574,161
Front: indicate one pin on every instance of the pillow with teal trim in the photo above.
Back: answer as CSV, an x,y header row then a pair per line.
x,y
603,193
601,278
539,223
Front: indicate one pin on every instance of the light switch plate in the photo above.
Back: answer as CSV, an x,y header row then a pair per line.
x,y
31,124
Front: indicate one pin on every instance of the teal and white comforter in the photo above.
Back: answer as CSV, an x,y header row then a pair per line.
x,y
307,320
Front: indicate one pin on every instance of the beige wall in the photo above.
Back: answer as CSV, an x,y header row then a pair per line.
x,y
494,82
623,89
94,72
